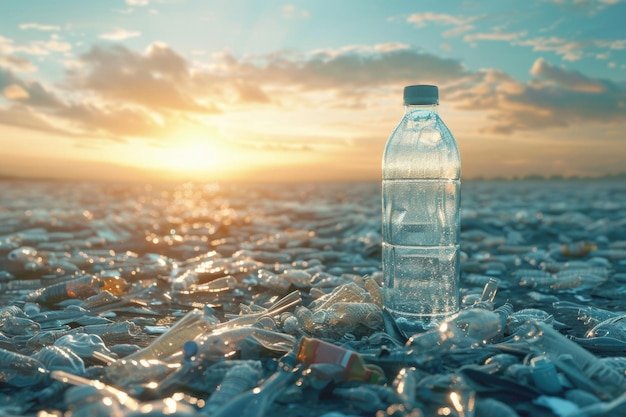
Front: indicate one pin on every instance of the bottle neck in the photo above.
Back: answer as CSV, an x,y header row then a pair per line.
x,y
409,108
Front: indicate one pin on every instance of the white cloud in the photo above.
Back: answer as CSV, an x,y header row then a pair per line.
x,y
137,2
56,45
41,48
588,6
461,24
569,50
420,19
391,46
616,45
119,34
72,64
6,45
457,31
494,36
38,26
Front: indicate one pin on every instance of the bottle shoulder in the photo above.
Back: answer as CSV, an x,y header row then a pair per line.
x,y
416,121
421,146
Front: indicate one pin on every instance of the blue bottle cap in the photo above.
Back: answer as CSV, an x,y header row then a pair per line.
x,y
421,94
190,349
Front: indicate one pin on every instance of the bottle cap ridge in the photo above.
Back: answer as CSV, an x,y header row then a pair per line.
x,y
421,94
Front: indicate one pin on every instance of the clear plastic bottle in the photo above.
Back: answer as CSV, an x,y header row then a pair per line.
x,y
421,220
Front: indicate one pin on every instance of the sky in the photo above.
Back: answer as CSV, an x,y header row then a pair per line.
x,y
306,90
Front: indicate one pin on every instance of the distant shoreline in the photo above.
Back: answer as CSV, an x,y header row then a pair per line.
x,y
534,177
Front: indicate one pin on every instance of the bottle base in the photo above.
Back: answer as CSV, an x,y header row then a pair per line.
x,y
411,324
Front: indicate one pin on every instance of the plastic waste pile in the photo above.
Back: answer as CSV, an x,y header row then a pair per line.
x,y
195,299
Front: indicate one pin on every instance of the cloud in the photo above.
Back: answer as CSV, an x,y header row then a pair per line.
x,y
20,115
17,63
569,50
567,80
157,79
114,121
137,2
6,45
119,34
391,46
113,93
42,110
556,97
250,93
351,77
421,19
616,45
85,120
354,68
461,24
38,26
40,48
55,44
116,92
586,6
459,30
33,93
14,92
494,36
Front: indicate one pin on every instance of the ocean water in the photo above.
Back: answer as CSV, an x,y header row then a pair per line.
x,y
163,250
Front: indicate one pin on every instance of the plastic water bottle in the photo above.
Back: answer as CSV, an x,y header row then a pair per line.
x,y
421,221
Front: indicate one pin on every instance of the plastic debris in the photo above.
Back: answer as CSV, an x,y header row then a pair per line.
x,y
313,351
128,299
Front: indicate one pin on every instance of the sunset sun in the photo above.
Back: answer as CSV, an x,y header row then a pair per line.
x,y
191,156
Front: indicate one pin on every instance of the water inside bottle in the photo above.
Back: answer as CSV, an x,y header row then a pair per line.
x,y
421,212
422,287
421,251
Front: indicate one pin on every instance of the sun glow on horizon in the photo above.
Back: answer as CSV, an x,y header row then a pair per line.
x,y
190,156
187,155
